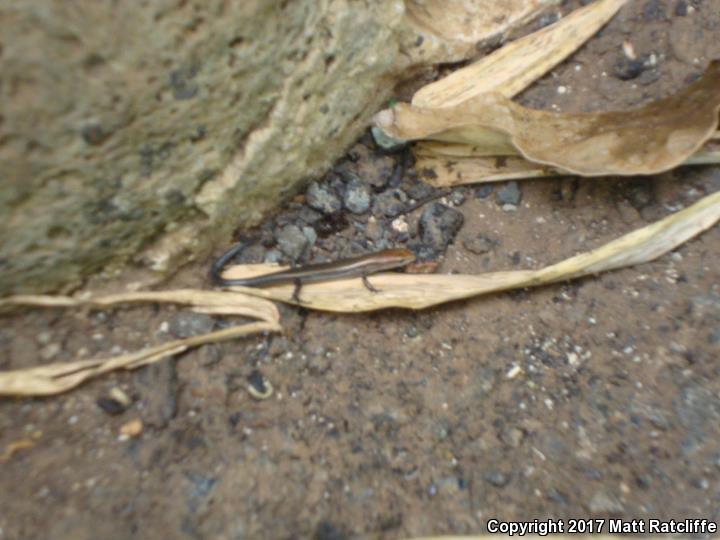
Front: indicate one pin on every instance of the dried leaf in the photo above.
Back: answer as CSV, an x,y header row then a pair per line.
x,y
421,291
646,140
512,68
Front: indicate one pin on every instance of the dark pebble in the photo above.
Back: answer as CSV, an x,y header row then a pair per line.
x,y
308,215
556,496
626,69
497,478
187,324
322,199
326,530
357,196
292,241
438,226
411,332
479,244
257,381
94,134
418,190
110,406
681,8
390,203
457,197
654,10
386,142
484,191
509,194
649,76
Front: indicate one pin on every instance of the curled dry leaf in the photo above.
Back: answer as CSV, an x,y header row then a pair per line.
x,y
515,66
646,140
59,377
415,291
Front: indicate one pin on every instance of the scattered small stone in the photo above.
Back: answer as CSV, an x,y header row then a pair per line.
x,y
387,143
479,244
512,437
681,8
110,406
556,496
626,69
509,194
497,478
327,530
310,234
44,338
457,197
188,324
273,256
484,191
259,387
50,351
390,203
411,332
654,10
120,396
438,226
292,242
509,208
322,199
357,196
131,429
308,215
419,191
602,503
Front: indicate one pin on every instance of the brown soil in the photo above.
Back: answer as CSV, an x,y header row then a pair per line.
x,y
596,398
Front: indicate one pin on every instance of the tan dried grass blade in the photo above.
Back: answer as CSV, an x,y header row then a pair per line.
x,y
514,67
61,377
647,140
419,291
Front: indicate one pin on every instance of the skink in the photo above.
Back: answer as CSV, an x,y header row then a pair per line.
x,y
361,266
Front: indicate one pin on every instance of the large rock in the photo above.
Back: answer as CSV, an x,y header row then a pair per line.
x,y
146,131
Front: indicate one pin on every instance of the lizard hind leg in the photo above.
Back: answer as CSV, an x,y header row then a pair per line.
x,y
368,285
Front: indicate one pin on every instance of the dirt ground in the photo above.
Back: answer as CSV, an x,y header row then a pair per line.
x,y
596,398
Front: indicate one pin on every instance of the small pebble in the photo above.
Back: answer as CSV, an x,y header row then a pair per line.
x,y
110,406
390,203
509,194
457,197
131,429
484,191
357,196
322,199
188,324
50,351
478,244
310,234
292,242
386,142
258,386
438,226
626,69
497,478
